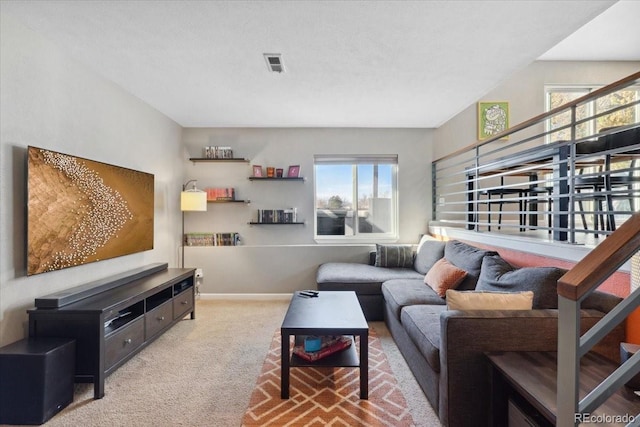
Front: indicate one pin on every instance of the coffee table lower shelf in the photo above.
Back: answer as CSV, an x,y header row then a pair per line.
x,y
347,358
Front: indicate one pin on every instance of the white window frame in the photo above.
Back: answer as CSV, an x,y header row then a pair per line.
x,y
548,89
354,160
586,88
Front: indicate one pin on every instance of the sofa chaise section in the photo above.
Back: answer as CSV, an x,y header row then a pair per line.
x,y
366,280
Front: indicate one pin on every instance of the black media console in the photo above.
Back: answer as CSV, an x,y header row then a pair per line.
x,y
114,318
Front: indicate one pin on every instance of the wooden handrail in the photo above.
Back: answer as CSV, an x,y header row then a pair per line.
x,y
602,261
537,119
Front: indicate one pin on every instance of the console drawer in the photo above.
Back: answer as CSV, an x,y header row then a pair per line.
x,y
183,303
123,342
158,319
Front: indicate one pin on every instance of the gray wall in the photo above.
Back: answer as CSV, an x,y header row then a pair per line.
x,y
525,93
49,100
264,262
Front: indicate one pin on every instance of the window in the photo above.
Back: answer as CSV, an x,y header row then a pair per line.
x,y
356,197
611,112
557,96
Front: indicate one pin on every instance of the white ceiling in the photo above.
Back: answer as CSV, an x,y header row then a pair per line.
x,y
348,64
613,35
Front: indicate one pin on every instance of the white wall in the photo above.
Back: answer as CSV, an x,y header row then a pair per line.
x,y
525,93
268,248
49,100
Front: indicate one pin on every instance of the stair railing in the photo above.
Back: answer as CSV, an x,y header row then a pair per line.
x,y
573,288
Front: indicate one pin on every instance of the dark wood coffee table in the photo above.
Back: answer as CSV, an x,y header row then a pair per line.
x,y
330,313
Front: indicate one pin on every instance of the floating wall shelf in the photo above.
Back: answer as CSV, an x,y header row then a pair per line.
x,y
229,201
206,159
284,178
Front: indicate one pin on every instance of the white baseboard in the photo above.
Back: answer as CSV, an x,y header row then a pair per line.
x,y
263,297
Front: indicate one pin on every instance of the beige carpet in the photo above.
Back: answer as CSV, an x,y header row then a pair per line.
x,y
322,396
202,373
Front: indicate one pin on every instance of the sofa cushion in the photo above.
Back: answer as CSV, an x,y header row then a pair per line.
x,y
399,293
467,257
498,275
601,301
481,300
444,275
394,256
430,250
422,324
362,278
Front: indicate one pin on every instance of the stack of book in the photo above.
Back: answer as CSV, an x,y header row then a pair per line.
x,y
277,216
330,345
212,239
214,194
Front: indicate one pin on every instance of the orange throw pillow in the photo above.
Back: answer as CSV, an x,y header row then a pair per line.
x,y
444,275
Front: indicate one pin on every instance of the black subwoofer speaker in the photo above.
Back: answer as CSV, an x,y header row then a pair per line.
x,y
36,379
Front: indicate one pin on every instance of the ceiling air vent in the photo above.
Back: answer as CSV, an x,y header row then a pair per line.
x,y
274,62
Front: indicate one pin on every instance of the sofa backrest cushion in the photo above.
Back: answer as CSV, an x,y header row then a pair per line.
x,y
467,257
600,301
430,250
498,275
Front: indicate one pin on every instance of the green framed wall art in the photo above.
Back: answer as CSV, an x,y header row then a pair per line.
x,y
493,118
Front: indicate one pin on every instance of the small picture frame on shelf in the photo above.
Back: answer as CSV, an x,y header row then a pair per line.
x,y
294,171
257,170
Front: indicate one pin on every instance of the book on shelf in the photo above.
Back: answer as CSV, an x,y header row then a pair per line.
x,y
215,194
278,216
329,346
212,239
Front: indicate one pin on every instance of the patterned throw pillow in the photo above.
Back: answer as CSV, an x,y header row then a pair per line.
x,y
444,275
395,256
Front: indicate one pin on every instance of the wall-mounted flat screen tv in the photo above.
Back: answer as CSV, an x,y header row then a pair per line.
x,y
81,211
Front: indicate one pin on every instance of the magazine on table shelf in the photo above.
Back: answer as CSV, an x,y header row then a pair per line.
x,y
330,345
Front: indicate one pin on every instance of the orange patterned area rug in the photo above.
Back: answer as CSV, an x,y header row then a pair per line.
x,y
328,396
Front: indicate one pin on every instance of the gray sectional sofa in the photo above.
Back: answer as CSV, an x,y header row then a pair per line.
x,y
445,349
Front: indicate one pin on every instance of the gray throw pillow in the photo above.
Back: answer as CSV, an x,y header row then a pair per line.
x,y
394,256
429,252
499,275
467,257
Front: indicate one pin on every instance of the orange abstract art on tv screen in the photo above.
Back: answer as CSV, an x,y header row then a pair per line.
x,y
81,211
